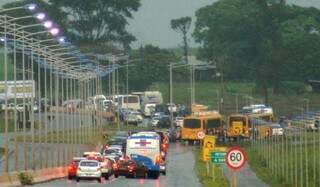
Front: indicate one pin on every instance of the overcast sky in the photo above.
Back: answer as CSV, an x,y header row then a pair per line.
x,y
151,24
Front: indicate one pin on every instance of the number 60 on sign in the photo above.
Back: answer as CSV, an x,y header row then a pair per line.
x,y
236,158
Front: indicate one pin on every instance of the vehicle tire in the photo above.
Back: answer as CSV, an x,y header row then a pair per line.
x,y
116,175
106,176
77,179
156,175
99,180
164,172
70,177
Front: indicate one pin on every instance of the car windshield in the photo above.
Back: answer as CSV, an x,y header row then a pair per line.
x,y
192,123
109,151
89,164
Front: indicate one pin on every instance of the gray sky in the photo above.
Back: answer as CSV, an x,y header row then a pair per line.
x,y
151,24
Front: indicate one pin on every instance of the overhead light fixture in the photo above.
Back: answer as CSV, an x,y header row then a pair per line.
x,y
54,31
31,6
41,16
48,24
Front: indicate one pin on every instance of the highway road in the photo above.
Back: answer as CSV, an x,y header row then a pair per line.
x,y
179,173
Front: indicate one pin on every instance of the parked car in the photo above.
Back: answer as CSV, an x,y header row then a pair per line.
x,y
73,167
89,169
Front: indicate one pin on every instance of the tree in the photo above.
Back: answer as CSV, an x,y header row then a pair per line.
x,y
151,67
259,40
93,25
98,22
182,25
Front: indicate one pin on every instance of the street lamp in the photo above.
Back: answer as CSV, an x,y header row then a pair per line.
x,y
54,31
30,7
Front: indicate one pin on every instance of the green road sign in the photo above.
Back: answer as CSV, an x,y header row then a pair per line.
x,y
218,157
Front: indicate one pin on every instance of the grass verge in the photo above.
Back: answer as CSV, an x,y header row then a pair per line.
x,y
208,93
206,180
85,135
2,151
258,165
286,163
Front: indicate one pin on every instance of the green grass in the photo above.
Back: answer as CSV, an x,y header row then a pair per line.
x,y
179,51
282,163
10,125
206,93
9,70
78,135
2,151
206,180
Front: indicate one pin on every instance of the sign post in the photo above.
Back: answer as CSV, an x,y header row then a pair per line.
x,y
200,136
235,159
217,158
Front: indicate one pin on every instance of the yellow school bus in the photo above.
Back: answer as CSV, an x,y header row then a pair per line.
x,y
246,126
264,116
208,122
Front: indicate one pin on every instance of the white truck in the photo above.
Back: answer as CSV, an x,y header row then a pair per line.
x,y
149,100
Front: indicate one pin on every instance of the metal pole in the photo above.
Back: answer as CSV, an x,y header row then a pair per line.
x,y
6,153
237,104
24,111
46,118
72,118
191,87
57,118
171,99
127,88
51,118
63,123
68,128
16,153
32,117
39,114
194,84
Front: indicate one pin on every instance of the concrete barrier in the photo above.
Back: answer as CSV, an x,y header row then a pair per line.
x,y
43,175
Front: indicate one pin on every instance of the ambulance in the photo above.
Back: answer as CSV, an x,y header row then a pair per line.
x,y
147,145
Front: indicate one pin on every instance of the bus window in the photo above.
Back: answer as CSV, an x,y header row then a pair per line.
x,y
192,123
213,123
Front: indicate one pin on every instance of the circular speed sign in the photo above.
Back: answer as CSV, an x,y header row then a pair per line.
x,y
236,158
201,135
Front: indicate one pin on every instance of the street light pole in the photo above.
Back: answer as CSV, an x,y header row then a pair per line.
x,y
171,99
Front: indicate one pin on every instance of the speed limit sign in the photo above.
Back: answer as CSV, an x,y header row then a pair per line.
x,y
201,135
236,158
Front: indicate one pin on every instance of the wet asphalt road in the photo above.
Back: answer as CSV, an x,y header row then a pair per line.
x,y
180,162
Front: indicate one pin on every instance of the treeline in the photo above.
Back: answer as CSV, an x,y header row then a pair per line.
x,y
267,41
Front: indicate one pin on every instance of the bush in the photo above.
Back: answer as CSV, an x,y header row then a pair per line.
x,y
25,178
293,87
